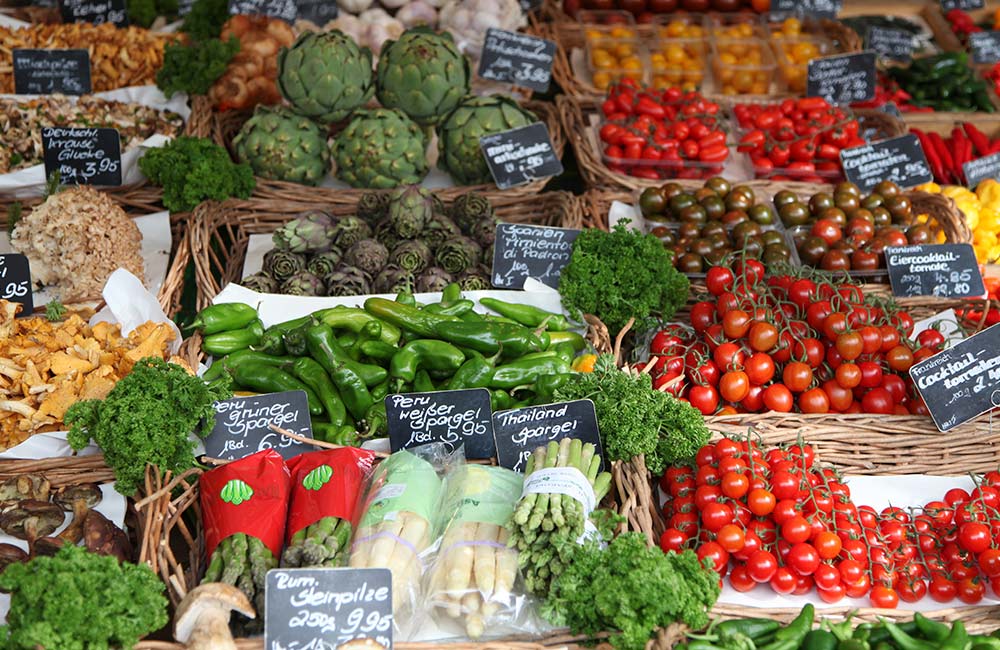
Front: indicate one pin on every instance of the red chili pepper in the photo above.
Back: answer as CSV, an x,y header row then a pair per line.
x,y
978,138
947,161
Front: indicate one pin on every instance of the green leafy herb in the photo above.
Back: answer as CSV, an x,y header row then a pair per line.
x,y
622,274
194,68
53,184
144,12
77,600
630,588
55,311
635,419
191,170
146,418
206,18
14,213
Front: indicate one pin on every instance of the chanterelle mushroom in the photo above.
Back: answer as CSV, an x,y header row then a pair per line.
x,y
202,619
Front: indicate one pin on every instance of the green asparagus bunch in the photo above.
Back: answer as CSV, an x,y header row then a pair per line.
x,y
243,561
543,523
323,544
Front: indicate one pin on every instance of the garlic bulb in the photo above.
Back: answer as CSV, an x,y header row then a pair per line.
x,y
354,6
468,20
418,12
379,27
393,4
350,25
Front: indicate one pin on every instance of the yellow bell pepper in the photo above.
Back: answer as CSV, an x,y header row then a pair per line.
x,y
930,188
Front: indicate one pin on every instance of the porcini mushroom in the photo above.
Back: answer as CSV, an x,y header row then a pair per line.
x,y
202,619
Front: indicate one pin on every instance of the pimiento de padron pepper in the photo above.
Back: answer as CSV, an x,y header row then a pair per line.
x,y
347,359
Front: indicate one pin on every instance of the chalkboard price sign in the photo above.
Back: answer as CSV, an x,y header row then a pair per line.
x,y
15,281
978,170
520,431
82,155
283,9
324,609
961,382
243,425
44,72
454,417
517,59
964,5
319,12
842,79
939,270
520,155
817,8
522,251
97,12
900,160
891,43
985,47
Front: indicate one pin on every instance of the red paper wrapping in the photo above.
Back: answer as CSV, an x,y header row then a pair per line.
x,y
326,484
248,496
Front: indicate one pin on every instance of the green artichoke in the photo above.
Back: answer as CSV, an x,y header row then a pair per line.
x,y
412,255
422,74
260,282
484,231
469,208
311,232
323,264
347,281
409,210
458,254
386,234
369,255
381,148
433,279
393,279
439,230
303,283
372,206
283,146
459,133
349,230
475,279
325,76
282,264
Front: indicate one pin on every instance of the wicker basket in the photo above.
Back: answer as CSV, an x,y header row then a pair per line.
x,y
227,124
576,119
221,231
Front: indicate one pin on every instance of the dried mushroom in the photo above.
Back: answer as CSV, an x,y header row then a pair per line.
x,y
104,538
10,554
89,493
74,532
25,486
31,519
46,546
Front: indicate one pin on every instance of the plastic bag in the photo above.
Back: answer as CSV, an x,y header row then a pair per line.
x,y
472,580
400,520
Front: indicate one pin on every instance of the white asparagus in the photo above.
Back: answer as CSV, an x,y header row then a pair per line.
x,y
506,573
474,626
485,566
404,565
460,572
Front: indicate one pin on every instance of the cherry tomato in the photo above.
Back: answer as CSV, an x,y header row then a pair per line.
x,y
761,566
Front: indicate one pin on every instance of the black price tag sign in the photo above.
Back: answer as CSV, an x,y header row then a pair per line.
x,y
454,417
900,160
317,609
519,432
939,270
817,8
842,79
243,425
15,281
980,169
283,9
83,156
523,251
319,12
520,155
962,382
985,47
44,72
891,43
97,12
517,59
964,5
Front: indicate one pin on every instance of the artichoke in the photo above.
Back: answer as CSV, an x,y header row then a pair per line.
x,y
459,133
282,264
433,279
283,146
369,255
348,281
311,232
303,283
325,76
349,230
323,264
412,255
409,209
457,255
380,148
260,282
469,208
422,74
484,231
475,279
386,234
372,206
393,279
439,230
488,255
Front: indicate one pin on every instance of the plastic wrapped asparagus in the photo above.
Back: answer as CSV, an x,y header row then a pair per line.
x,y
563,484
472,580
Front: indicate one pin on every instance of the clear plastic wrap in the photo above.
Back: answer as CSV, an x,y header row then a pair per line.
x,y
472,581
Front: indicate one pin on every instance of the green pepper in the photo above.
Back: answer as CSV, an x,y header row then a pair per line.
x,y
379,391
904,641
406,298
314,376
500,400
547,385
474,373
523,373
825,643
405,317
930,630
272,342
343,434
574,339
883,645
264,378
354,319
957,639
791,636
334,354
472,317
372,331
456,308
564,351
427,354
527,315
223,318
490,338
294,339
219,366
881,633
353,389
422,383
233,340
378,350
451,293
375,419
751,627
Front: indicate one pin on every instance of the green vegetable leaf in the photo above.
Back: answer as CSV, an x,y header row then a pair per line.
x,y
206,18
191,170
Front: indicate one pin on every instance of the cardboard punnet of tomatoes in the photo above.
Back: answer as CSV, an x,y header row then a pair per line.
x,y
776,517
645,10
